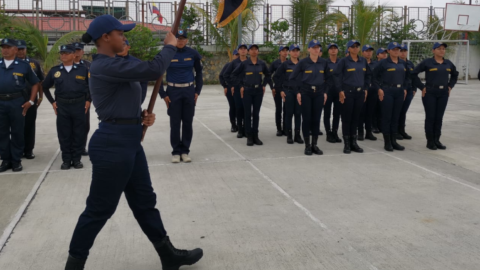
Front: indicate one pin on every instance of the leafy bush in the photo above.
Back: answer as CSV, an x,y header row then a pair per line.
x,y
144,44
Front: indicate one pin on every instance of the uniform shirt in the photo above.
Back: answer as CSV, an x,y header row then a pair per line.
x,y
308,73
249,73
435,73
281,79
38,71
353,74
85,63
114,83
181,69
410,66
14,78
387,73
221,76
331,83
68,85
232,81
143,84
273,68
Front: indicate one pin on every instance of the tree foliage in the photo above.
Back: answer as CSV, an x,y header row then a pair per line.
x,y
144,45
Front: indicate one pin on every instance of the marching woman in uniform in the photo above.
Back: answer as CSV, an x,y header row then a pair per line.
x,y
352,79
368,110
286,87
277,98
377,116
118,160
252,88
231,102
332,99
411,91
390,78
311,74
435,92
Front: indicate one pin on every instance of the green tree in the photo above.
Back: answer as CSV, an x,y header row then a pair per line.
x,y
396,31
145,44
191,18
366,19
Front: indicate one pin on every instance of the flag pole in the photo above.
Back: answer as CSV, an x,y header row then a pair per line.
x,y
158,83
239,28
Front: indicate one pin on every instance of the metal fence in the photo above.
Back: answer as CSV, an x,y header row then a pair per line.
x,y
57,17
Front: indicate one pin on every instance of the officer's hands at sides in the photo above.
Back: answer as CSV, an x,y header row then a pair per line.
x,y
241,92
167,101
380,94
264,90
273,92
25,107
87,106
424,91
233,90
148,119
342,97
405,94
414,92
39,101
366,95
54,105
449,90
299,99
283,95
324,98
170,39
196,97
225,91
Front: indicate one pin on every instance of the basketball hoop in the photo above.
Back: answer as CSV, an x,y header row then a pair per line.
x,y
461,17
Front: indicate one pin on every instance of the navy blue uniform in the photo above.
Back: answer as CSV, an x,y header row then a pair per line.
x,y
279,108
283,83
437,84
408,99
182,98
118,159
13,81
249,76
231,101
71,93
233,83
87,115
144,84
332,98
369,107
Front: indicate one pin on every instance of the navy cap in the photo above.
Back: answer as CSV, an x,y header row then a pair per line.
x,y
346,51
438,44
235,52
367,47
293,47
67,48
393,45
332,45
105,24
78,45
21,44
126,42
404,47
313,43
182,33
283,47
381,50
252,45
353,42
9,42
242,45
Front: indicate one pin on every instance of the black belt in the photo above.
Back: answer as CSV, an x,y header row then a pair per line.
x,y
252,85
11,96
392,85
437,86
124,121
313,88
352,88
71,101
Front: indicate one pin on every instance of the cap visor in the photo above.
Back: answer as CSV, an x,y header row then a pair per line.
x,y
127,27
22,47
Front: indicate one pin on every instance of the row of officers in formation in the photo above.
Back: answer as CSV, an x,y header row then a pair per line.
x,y
368,96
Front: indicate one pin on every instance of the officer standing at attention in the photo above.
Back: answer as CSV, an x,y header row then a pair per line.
x,y
14,74
352,79
377,116
277,98
391,80
368,109
79,52
31,115
234,85
181,96
226,89
435,91
118,159
332,99
411,91
312,75
286,85
252,88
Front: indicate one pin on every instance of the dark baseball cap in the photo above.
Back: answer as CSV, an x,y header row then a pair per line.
x,y
9,42
21,44
105,24
67,48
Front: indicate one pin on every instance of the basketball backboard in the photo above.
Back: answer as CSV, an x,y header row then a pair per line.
x,y
461,17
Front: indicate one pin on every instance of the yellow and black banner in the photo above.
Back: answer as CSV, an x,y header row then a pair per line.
x,y
229,10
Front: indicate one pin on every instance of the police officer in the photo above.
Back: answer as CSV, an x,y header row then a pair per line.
x,y
368,110
352,79
234,85
79,52
31,115
311,74
226,89
411,91
332,99
277,98
286,85
377,116
391,80
72,100
435,92
14,74
183,89
118,159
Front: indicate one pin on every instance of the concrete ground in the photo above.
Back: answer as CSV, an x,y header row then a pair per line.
x,y
266,207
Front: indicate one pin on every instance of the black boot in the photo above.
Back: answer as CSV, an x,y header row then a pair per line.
x,y
395,145
77,164
289,137
335,134
353,144
399,136
256,140
430,142
388,142
279,130
298,137
17,166
29,155
375,129
234,128
308,146
84,152
346,147
370,136
315,148
401,131
5,166
241,132
330,137
320,132
173,258
249,139
360,134
75,264
437,142
66,165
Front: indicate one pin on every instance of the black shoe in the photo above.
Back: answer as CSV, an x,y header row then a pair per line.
x,y
320,132
298,137
173,258
395,145
77,165
66,166
375,130
354,146
17,166
256,140
241,132
360,135
6,165
330,137
430,142
279,131
289,137
234,128
308,146
346,147
84,152
388,143
29,155
438,144
402,132
370,136
399,136
250,139
315,148
335,134
75,264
